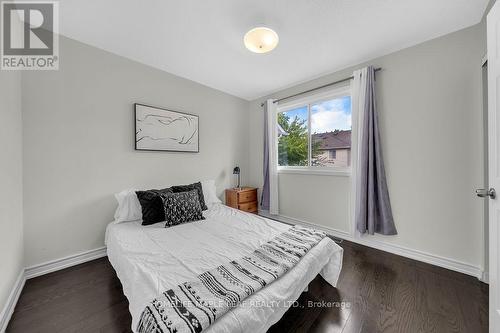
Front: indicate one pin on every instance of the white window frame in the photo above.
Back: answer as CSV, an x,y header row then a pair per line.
x,y
308,101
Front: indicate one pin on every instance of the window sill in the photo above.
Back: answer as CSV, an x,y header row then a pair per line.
x,y
317,172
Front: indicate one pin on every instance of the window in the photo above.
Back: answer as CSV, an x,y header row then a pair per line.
x,y
315,133
332,154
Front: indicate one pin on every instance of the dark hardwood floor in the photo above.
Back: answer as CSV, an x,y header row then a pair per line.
x,y
381,293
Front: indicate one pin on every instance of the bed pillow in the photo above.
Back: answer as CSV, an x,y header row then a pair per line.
x,y
182,207
190,187
209,192
129,208
152,205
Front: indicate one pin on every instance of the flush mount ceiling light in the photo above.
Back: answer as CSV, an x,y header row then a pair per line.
x,y
261,40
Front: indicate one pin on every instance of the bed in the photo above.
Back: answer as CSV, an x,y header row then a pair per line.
x,y
151,259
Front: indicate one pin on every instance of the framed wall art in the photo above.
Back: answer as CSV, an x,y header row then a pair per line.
x,y
160,129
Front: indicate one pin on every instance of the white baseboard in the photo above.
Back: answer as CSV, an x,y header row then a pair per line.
x,y
429,258
486,277
58,264
8,309
41,269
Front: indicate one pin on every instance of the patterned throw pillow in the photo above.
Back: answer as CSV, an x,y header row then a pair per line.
x,y
182,207
190,187
152,205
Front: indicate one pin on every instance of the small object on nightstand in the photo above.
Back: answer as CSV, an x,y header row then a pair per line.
x,y
236,171
243,198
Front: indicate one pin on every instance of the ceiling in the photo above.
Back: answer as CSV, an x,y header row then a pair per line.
x,y
203,40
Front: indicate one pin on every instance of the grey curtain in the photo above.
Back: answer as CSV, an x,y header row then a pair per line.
x,y
373,211
264,202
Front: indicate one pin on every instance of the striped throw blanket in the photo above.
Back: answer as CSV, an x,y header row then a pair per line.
x,y
195,305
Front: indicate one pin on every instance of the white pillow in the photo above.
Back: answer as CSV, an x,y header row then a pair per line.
x,y
209,192
129,208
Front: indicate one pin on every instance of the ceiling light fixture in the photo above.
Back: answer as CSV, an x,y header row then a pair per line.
x,y
261,40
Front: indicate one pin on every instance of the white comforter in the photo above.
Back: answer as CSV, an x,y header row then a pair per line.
x,y
151,259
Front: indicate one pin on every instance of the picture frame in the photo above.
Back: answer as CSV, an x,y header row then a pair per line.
x,y
160,129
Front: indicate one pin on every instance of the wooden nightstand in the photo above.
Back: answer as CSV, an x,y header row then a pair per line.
x,y
244,198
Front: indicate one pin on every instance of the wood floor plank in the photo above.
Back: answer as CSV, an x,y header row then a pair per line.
x,y
376,292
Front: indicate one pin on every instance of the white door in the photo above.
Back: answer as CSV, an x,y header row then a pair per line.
x,y
493,31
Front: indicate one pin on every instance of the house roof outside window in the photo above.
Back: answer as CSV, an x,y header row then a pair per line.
x,y
338,139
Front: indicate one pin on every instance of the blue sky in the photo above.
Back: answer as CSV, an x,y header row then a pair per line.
x,y
327,116
300,112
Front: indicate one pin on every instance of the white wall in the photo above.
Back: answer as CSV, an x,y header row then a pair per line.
x,y
430,109
79,144
11,185
299,198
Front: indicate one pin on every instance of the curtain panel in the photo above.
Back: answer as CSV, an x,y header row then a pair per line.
x,y
373,212
269,199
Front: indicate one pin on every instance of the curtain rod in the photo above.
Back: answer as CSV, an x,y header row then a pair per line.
x,y
317,88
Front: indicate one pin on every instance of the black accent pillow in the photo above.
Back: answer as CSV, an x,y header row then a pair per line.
x,y
182,207
152,205
190,187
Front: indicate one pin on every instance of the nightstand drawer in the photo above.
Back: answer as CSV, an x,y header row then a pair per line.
x,y
250,207
247,196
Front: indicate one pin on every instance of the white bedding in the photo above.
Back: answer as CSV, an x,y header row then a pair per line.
x,y
151,259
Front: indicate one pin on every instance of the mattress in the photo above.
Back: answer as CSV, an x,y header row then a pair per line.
x,y
152,259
